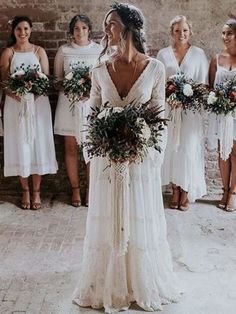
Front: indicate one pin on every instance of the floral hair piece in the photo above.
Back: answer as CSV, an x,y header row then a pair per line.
x,y
129,16
10,22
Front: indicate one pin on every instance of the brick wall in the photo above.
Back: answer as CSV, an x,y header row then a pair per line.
x,y
51,18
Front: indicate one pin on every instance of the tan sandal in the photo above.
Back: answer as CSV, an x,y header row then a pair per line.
x,y
36,205
175,195
184,202
25,204
222,203
231,203
76,202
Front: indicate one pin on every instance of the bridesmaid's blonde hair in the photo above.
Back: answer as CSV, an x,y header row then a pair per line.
x,y
180,18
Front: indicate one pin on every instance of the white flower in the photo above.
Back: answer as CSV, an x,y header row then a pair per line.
x,y
187,90
146,132
18,73
69,76
42,75
211,98
105,112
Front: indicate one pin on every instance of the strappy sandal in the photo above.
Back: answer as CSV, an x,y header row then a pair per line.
x,y
231,204
76,202
36,205
175,195
222,203
184,205
25,204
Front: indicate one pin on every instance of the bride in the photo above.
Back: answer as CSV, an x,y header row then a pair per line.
x,y
139,268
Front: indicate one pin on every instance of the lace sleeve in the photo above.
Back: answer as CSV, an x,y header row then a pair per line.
x,y
95,94
158,99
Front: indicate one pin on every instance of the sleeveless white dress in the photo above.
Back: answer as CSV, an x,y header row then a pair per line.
x,y
22,158
142,271
67,122
213,129
185,167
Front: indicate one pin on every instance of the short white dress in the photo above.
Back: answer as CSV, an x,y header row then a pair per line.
x,y
69,122
214,120
185,167
23,158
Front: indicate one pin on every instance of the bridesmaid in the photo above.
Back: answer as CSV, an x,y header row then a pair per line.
x,y
184,168
223,66
24,157
82,49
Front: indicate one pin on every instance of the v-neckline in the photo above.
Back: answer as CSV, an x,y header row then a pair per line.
x,y
184,58
134,84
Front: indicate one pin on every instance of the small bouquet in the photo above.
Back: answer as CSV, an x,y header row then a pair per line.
x,y
222,100
124,133
28,80
184,93
77,83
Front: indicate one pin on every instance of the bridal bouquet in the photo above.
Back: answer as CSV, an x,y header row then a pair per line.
x,y
184,93
28,80
77,83
124,133
222,100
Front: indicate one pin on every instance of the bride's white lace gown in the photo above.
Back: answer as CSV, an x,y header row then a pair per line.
x,y
142,270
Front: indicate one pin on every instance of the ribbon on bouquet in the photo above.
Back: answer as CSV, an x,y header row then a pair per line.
x,y
27,118
226,128
175,117
119,176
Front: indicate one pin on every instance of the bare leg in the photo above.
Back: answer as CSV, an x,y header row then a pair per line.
x,y
72,167
25,201
225,169
87,189
231,202
36,200
174,204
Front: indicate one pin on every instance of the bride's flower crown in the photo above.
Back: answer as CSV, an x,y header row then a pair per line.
x,y
128,15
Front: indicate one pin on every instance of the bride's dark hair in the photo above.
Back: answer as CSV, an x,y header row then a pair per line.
x,y
133,22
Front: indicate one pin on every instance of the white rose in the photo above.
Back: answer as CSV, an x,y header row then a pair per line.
x,y
18,73
69,76
105,112
211,98
187,90
42,75
146,132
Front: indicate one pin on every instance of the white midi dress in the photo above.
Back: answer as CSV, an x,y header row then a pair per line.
x,y
71,122
141,270
185,166
21,157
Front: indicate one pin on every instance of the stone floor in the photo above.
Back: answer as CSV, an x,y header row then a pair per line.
x,y
41,251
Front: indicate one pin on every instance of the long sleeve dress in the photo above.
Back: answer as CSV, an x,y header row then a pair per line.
x,y
142,270
185,167
68,122
23,157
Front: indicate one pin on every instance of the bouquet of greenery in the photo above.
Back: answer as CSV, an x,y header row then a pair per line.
x,y
77,83
222,100
124,133
184,93
28,80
